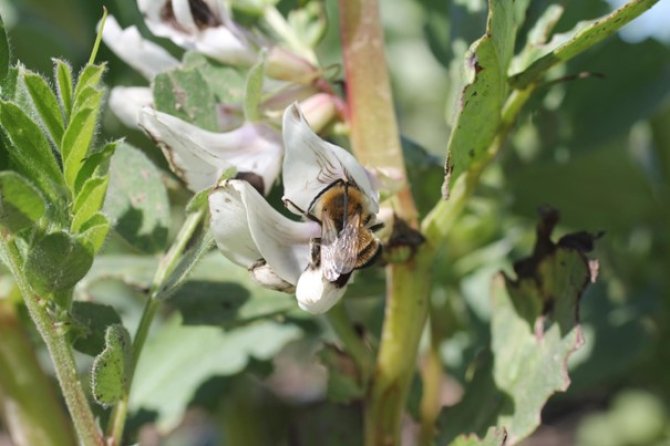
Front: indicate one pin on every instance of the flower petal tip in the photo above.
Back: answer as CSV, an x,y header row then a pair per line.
x,y
315,294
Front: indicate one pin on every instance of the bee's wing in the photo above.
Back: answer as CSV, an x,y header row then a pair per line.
x,y
339,253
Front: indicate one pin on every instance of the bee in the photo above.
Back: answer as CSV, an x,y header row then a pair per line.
x,y
347,230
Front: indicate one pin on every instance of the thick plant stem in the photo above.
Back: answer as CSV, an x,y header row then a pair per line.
x,y
32,412
374,130
406,310
59,351
167,265
376,143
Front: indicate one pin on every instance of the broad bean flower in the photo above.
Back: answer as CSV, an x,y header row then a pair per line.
x,y
281,253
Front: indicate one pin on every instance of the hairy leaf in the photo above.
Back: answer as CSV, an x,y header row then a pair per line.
x,y
45,103
110,376
76,142
94,230
63,75
21,203
88,78
89,201
57,261
94,163
29,151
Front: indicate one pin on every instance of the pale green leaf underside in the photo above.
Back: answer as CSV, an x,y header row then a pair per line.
x,y
167,378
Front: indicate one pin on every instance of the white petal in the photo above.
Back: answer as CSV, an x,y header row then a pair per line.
x,y
222,44
146,57
282,243
315,294
200,156
230,227
128,102
312,164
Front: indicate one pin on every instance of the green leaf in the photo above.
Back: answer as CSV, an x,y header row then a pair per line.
x,y
45,103
5,54
89,201
63,75
76,142
88,78
56,262
485,90
94,230
220,293
565,46
29,151
91,320
21,203
89,97
137,202
533,333
94,163
184,93
165,380
254,90
9,85
226,83
110,376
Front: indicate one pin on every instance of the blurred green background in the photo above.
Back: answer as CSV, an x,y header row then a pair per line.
x,y
597,149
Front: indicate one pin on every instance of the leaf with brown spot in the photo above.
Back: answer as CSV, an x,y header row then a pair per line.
x,y
534,330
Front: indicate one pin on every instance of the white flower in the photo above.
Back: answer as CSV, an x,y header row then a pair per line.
x,y
285,254
252,234
143,55
205,26
200,157
128,102
200,25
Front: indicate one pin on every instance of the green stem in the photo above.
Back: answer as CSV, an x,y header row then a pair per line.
x,y
59,350
165,268
406,311
33,413
362,356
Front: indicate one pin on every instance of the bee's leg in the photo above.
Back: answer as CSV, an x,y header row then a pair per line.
x,y
377,226
289,204
315,252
